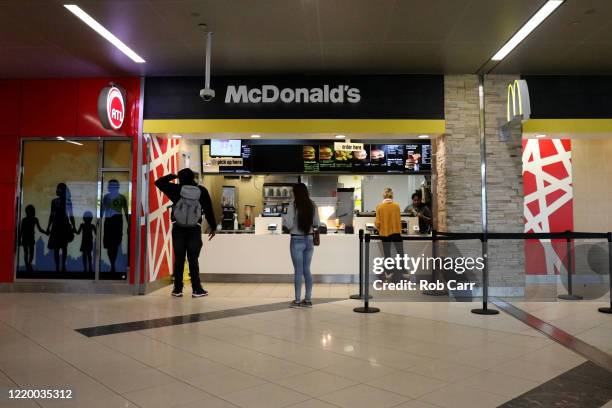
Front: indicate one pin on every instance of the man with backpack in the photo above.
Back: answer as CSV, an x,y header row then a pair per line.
x,y
189,202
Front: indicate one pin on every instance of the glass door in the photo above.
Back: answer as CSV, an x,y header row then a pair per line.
x,y
116,190
71,193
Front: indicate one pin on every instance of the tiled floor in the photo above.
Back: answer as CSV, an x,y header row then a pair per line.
x,y
580,319
409,355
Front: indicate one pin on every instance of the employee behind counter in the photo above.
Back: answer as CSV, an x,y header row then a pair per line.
x,y
420,210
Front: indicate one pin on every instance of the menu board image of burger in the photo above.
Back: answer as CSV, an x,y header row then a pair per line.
x,y
309,155
360,156
378,157
361,159
325,153
326,157
413,158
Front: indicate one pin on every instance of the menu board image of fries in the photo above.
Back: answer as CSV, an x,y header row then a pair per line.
x,y
343,155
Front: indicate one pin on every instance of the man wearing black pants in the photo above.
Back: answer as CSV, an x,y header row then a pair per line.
x,y
187,237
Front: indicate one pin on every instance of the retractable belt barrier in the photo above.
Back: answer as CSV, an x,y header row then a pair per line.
x,y
364,261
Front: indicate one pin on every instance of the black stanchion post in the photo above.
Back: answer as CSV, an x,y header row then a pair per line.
x,y
609,309
366,281
570,271
485,281
434,275
360,295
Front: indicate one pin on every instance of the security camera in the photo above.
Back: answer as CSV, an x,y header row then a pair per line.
x,y
207,94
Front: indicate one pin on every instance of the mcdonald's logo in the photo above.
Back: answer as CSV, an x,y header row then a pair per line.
x,y
518,104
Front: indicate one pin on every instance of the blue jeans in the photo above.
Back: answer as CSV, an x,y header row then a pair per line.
x,y
302,248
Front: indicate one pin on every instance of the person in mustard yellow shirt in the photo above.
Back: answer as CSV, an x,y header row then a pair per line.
x,y
389,226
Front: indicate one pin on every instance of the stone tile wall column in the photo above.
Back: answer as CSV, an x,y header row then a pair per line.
x,y
458,184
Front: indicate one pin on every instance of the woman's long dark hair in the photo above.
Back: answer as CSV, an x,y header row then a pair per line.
x,y
63,192
303,206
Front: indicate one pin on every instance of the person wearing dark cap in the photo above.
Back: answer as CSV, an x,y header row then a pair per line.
x,y
189,202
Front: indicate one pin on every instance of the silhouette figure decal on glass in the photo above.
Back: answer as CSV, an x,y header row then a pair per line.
x,y
87,240
61,225
27,235
114,206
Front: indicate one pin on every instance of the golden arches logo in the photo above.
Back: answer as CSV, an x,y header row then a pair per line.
x,y
518,103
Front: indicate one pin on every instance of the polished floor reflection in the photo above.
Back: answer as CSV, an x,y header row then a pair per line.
x,y
409,355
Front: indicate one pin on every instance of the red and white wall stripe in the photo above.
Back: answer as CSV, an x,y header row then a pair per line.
x,y
548,204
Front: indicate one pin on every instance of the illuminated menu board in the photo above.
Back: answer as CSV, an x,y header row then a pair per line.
x,y
323,158
404,158
396,158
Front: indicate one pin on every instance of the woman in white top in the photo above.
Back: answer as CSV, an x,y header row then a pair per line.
x,y
300,219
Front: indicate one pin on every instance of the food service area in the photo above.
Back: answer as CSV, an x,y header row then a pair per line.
x,y
250,183
346,138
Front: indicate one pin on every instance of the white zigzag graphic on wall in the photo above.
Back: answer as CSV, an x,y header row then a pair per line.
x,y
540,222
160,240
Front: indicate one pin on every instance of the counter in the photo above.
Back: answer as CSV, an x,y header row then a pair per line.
x,y
360,222
268,254
266,258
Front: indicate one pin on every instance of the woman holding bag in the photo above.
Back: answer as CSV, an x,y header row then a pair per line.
x,y
302,221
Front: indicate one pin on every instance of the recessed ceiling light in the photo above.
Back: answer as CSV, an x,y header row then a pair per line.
x,y
538,17
423,136
340,136
255,136
540,136
99,28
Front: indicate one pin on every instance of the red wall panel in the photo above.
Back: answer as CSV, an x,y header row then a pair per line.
x,y
10,103
7,207
50,108
9,158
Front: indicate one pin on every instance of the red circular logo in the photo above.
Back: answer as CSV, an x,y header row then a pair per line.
x,y
115,108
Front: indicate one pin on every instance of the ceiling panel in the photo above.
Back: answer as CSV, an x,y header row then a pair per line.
x,y
243,21
576,39
39,38
410,21
353,20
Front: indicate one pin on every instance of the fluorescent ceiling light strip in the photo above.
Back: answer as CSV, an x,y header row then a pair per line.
x,y
531,25
110,37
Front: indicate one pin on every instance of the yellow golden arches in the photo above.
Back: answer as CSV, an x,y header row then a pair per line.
x,y
518,103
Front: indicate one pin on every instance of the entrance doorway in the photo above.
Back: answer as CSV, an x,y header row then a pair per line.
x,y
74,209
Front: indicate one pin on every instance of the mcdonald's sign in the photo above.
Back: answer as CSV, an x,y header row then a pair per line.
x,y
518,104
